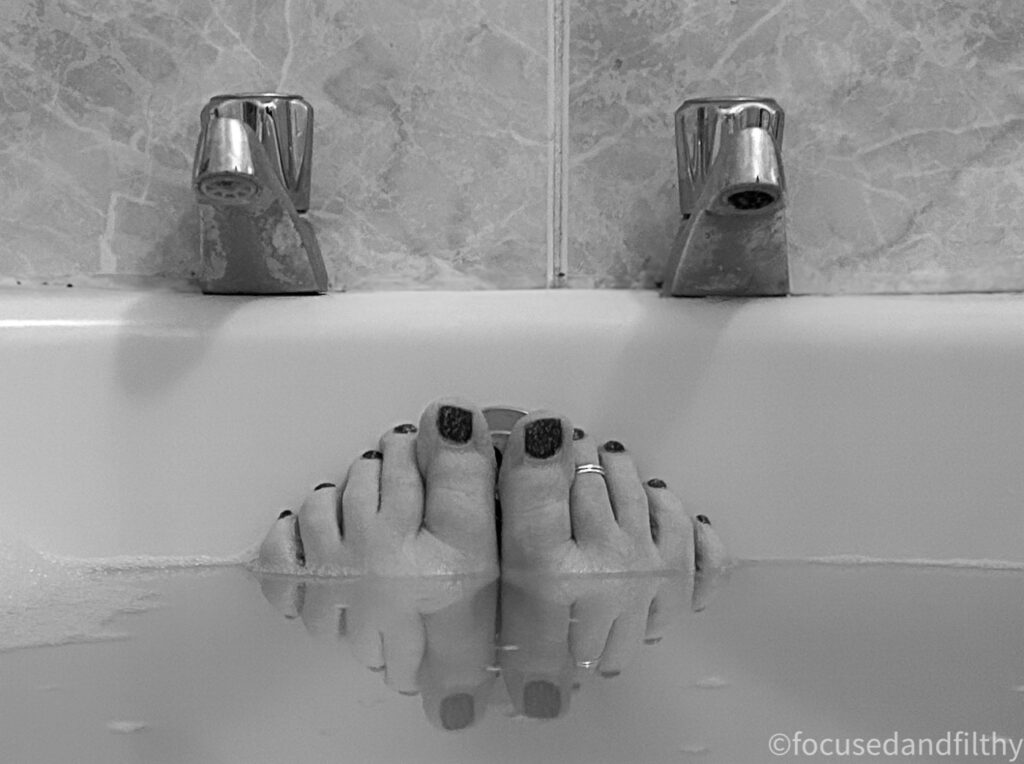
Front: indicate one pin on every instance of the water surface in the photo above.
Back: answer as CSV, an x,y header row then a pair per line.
x,y
229,668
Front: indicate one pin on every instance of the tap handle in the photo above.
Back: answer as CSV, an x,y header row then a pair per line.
x,y
283,125
701,126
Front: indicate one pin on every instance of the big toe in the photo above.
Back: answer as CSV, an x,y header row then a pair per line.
x,y
456,460
536,475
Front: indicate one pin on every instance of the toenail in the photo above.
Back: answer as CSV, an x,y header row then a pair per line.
x,y
410,693
578,434
404,429
652,640
543,438
614,447
457,711
372,454
325,485
541,700
703,519
610,674
455,424
286,513
657,483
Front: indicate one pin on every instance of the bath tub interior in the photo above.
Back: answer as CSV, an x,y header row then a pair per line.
x,y
859,455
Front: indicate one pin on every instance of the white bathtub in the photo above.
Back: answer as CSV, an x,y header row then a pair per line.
x,y
161,423
164,427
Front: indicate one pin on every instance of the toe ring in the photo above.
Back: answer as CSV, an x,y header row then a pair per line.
x,y
597,469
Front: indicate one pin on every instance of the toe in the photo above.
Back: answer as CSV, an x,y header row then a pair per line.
x,y
403,647
319,530
625,638
589,505
710,552
671,527
456,460
536,475
629,502
282,550
286,593
323,607
534,654
401,487
592,620
361,499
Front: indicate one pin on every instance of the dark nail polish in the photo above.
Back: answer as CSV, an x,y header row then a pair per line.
x,y
376,669
286,513
610,674
457,711
541,700
543,438
409,693
652,640
372,454
578,434
404,429
455,424
613,446
703,519
325,485
657,483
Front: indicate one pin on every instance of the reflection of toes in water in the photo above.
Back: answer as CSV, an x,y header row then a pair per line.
x,y
432,637
439,637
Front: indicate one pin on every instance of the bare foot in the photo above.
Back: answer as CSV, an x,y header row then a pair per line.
x,y
571,506
421,505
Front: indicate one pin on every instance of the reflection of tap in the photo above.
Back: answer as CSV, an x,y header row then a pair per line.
x,y
252,178
732,196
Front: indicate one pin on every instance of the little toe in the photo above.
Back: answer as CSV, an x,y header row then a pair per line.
x,y
282,550
287,594
534,485
671,527
590,508
629,501
709,551
456,460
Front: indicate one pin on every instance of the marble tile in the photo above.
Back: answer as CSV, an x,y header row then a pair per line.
x,y
431,132
903,145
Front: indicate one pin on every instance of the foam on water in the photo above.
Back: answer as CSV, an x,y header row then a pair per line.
x,y
47,600
864,560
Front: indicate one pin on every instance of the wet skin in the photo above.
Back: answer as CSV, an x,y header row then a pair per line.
x,y
423,504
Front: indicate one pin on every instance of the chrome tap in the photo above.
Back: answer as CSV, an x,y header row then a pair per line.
x,y
732,197
251,179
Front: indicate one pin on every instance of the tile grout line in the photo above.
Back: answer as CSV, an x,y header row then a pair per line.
x,y
566,154
558,147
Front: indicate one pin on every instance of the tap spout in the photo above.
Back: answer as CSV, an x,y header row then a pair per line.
x,y
253,240
732,235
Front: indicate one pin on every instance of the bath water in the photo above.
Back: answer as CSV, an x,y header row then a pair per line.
x,y
213,664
